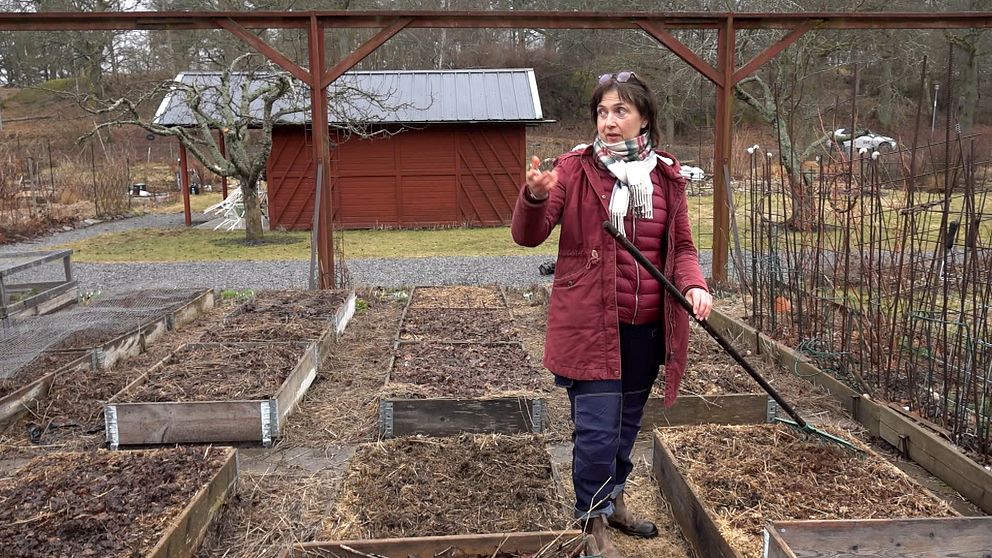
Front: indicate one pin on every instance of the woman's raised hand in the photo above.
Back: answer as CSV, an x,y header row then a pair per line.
x,y
540,183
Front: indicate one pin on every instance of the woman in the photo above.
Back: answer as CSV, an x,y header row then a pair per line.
x,y
610,323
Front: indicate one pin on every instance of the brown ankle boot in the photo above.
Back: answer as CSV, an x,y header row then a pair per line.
x,y
596,527
624,521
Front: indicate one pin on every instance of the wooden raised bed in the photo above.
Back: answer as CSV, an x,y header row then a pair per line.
x,y
122,346
171,422
910,436
457,296
452,546
34,298
252,322
456,388
180,306
892,538
739,469
456,324
15,402
82,518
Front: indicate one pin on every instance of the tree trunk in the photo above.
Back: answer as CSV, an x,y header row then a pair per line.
x,y
253,215
969,82
803,215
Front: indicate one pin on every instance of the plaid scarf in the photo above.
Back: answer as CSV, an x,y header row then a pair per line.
x,y
631,162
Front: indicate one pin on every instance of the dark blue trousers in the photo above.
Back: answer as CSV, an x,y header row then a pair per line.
x,y
607,417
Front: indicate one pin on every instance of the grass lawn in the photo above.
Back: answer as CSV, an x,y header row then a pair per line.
x,y
173,245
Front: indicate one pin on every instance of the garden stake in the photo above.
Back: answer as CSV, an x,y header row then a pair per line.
x,y
797,421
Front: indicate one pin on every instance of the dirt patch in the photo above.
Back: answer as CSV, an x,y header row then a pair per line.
x,y
416,487
281,316
451,324
41,365
220,373
711,371
457,297
112,504
749,475
464,369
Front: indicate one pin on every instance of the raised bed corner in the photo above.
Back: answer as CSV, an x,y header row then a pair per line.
x,y
892,538
17,401
464,546
171,422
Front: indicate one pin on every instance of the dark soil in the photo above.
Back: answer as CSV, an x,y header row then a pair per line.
x,y
457,297
298,304
220,372
416,487
423,324
465,369
750,475
105,504
35,369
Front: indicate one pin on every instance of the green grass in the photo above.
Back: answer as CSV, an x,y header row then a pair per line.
x,y
173,245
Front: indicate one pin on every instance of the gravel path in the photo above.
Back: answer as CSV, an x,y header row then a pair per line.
x,y
258,275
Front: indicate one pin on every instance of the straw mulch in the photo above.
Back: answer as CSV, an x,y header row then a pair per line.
x,y
457,324
750,475
108,504
414,487
465,369
457,297
220,372
38,367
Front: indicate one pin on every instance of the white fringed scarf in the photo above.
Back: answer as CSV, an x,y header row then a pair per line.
x,y
631,162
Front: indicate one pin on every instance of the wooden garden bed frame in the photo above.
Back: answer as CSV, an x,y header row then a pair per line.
x,y
431,547
17,401
500,292
893,538
691,512
51,295
449,416
190,311
911,436
174,422
727,408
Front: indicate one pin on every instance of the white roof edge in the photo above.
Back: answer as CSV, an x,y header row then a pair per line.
x,y
168,97
538,113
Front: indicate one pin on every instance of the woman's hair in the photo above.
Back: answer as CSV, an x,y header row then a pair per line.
x,y
635,92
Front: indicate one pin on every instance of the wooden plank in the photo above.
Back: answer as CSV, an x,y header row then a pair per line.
x,y
698,526
734,408
775,545
345,313
893,538
449,417
430,547
40,258
184,422
24,306
16,402
190,311
186,532
296,384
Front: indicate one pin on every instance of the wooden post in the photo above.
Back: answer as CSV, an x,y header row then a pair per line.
x,y
184,179
726,44
321,154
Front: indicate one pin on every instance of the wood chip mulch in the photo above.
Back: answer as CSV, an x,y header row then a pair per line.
x,y
457,324
457,297
100,504
750,475
281,316
416,487
465,369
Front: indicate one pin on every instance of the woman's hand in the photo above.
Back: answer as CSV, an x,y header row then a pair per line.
x,y
540,183
702,302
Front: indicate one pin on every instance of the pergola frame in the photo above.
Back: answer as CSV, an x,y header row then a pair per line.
x,y
659,26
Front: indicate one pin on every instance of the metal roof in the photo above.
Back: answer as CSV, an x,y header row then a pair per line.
x,y
387,97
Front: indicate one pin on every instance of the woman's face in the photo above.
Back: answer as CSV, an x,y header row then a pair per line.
x,y
618,120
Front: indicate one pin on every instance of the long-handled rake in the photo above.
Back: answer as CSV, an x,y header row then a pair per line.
x,y
797,421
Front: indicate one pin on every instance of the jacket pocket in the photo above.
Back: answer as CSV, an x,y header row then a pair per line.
x,y
578,266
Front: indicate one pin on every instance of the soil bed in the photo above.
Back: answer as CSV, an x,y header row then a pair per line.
x,y
457,297
108,504
417,487
41,365
749,475
711,371
298,304
422,324
166,299
219,372
104,327
281,316
464,369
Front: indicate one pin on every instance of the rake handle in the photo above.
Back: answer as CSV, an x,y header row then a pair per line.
x,y
716,335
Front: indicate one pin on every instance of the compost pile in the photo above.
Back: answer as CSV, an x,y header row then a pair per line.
x,y
464,369
220,372
457,297
41,365
416,487
457,324
281,316
749,475
106,504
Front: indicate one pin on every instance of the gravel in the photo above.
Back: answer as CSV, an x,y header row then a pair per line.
x,y
259,275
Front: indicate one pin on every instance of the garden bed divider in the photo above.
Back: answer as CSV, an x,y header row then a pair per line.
x,y
401,416
727,408
124,346
431,547
185,534
893,538
173,422
910,436
17,401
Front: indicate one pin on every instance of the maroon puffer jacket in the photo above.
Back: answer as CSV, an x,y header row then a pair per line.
x,y
582,340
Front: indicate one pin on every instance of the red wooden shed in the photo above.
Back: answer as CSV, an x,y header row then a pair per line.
x,y
454,153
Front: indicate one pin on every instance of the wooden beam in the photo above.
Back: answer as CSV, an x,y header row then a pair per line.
x,y
184,183
263,48
367,48
945,536
722,144
661,35
451,545
321,157
771,52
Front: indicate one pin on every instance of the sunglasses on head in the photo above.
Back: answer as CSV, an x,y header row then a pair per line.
x,y
621,77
